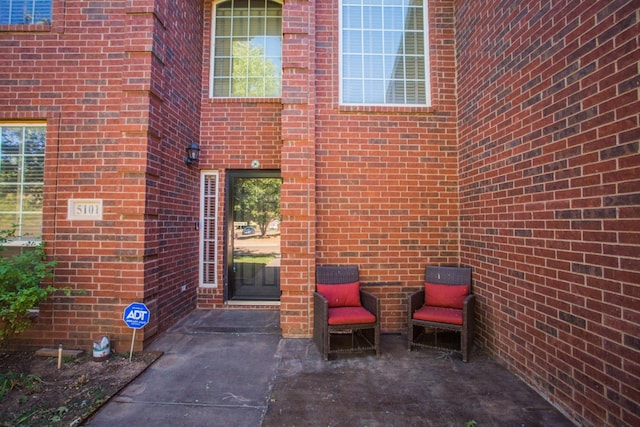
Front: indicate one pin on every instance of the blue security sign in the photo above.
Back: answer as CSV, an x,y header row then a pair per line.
x,y
136,315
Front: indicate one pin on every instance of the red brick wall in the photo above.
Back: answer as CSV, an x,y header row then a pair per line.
x,y
279,134
171,259
387,183
298,201
233,133
550,195
386,179
115,131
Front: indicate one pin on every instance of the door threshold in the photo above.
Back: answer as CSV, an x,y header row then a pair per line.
x,y
252,303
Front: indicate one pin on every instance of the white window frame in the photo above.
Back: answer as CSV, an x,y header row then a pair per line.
x,y
21,240
213,56
427,64
212,237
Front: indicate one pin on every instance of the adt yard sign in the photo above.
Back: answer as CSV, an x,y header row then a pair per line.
x,y
136,315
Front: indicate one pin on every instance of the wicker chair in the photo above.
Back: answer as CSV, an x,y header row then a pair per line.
x,y
446,302
346,319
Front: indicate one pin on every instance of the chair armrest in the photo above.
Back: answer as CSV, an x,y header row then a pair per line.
x,y
320,307
320,323
468,307
371,303
416,300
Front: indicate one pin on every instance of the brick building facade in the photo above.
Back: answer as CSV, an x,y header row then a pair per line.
x,y
549,201
523,165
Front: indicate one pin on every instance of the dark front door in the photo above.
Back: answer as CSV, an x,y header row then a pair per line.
x,y
253,240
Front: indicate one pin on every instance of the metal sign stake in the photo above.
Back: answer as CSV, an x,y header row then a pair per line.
x,y
133,339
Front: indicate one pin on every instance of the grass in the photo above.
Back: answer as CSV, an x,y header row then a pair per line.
x,y
253,259
30,383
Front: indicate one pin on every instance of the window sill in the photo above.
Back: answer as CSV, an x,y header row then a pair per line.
x,y
25,28
21,243
387,109
254,100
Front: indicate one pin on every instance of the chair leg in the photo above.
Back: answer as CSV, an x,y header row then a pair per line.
x,y
327,345
320,336
412,335
464,345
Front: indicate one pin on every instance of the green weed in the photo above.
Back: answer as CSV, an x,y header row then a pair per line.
x,y
29,383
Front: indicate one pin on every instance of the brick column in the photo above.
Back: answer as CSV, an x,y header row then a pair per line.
x,y
298,168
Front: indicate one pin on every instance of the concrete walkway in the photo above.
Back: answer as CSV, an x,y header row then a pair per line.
x,y
232,368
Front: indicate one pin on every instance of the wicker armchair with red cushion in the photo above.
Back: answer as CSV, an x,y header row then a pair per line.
x,y
346,318
446,302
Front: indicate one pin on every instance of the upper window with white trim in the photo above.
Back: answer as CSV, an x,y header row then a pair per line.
x,y
22,12
247,49
22,178
384,55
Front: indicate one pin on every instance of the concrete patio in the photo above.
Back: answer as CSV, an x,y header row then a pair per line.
x,y
232,368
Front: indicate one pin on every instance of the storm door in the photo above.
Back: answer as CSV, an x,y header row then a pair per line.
x,y
253,238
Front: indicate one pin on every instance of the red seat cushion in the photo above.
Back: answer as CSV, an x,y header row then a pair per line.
x,y
451,296
341,295
350,316
452,316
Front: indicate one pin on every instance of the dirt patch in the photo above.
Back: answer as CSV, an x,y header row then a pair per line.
x,y
33,392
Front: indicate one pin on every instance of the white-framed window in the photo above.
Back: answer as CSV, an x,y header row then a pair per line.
x,y
22,148
209,229
246,49
21,12
384,53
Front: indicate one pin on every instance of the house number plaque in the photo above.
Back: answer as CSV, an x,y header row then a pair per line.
x,y
85,209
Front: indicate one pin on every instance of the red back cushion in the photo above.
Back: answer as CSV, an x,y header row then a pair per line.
x,y
451,296
342,295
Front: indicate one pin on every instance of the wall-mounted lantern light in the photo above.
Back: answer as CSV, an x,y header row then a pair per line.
x,y
193,153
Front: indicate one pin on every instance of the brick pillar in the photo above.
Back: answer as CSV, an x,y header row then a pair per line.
x,y
298,169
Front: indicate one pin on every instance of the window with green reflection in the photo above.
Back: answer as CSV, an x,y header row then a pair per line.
x,y
247,49
22,149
